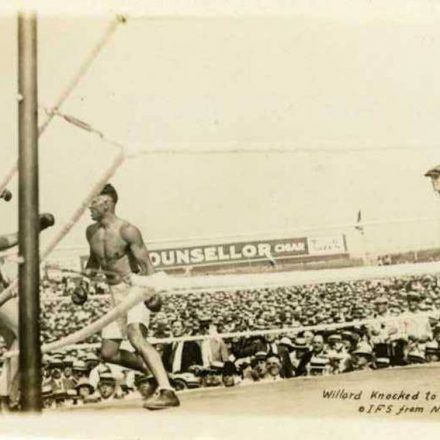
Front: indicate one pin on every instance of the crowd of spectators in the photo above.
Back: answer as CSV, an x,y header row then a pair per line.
x,y
405,331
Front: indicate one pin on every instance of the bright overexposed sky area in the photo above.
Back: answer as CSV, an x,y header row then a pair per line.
x,y
362,84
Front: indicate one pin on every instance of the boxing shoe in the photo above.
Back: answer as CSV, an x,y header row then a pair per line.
x,y
162,399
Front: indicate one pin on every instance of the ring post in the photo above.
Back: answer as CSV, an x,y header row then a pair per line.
x,y
28,215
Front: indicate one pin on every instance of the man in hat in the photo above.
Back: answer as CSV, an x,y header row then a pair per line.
x,y
285,348
363,357
214,348
384,330
308,336
161,328
84,390
434,175
144,384
298,356
318,351
68,378
259,365
416,328
57,381
337,354
117,247
106,386
432,351
45,371
79,370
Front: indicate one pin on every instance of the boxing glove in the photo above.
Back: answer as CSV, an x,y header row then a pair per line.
x,y
46,221
154,303
79,296
6,195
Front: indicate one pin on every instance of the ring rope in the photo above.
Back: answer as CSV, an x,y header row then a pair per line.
x,y
12,255
284,279
180,285
160,282
10,292
250,333
84,67
137,295
134,150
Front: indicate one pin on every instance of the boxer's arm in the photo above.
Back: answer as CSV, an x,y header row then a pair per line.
x,y
93,264
10,240
133,237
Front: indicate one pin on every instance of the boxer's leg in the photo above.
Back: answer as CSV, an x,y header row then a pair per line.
x,y
111,353
14,377
137,321
9,380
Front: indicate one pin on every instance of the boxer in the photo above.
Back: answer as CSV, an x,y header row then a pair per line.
x,y
117,247
9,378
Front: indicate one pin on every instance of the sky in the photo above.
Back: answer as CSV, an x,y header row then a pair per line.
x,y
355,90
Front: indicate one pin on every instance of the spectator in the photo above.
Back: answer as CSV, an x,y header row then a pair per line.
x,y
362,357
213,349
432,352
180,356
273,366
145,385
84,389
107,386
317,352
399,336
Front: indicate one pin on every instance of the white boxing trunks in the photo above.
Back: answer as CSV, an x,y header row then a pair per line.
x,y
139,314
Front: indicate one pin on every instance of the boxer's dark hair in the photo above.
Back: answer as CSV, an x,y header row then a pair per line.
x,y
109,190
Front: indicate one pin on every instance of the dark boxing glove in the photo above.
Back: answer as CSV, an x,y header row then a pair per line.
x,y
154,303
6,195
79,296
46,221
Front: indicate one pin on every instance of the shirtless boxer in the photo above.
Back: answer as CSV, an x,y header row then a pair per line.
x,y
117,248
9,378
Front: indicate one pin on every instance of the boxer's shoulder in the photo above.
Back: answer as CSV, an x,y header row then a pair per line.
x,y
129,232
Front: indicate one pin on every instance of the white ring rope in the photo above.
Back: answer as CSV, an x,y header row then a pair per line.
x,y
13,256
284,279
134,297
9,293
171,285
180,285
84,67
249,333
134,150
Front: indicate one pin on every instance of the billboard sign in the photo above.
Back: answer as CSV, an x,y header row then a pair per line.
x,y
248,252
